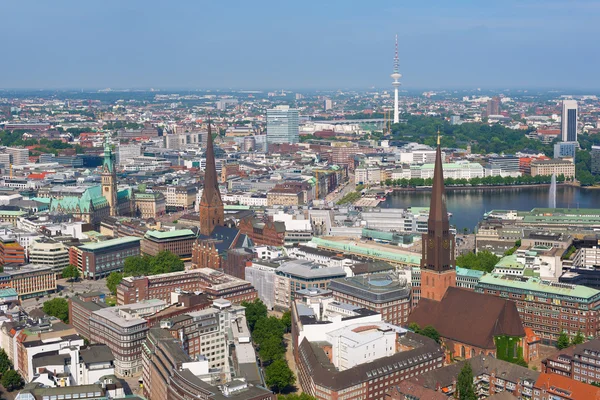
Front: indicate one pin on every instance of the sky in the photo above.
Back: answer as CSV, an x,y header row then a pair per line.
x,y
310,44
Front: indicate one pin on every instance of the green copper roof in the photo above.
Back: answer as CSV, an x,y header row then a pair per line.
x,y
170,234
110,243
13,213
235,207
537,286
368,252
472,273
92,197
509,262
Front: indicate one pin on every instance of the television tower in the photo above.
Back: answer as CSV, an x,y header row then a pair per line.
x,y
396,83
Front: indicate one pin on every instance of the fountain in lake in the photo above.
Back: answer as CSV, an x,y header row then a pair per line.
x,y
552,197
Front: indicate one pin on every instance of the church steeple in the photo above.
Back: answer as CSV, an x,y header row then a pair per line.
x,y
109,178
437,259
211,205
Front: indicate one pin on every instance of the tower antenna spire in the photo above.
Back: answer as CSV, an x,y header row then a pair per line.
x,y
396,82
396,60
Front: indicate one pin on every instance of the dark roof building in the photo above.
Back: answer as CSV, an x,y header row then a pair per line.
x,y
468,330
318,376
490,376
384,293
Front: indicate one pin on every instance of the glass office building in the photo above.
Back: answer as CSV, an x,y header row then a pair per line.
x,y
282,125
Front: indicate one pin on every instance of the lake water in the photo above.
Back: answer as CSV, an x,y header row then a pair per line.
x,y
467,207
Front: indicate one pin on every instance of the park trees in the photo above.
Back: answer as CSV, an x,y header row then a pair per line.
x,y
58,308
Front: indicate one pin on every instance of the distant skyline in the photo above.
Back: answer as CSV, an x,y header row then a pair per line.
x,y
300,45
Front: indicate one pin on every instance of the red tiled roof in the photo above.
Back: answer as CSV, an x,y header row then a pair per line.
x,y
567,388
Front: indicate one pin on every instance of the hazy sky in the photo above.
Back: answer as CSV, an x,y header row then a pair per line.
x,y
299,44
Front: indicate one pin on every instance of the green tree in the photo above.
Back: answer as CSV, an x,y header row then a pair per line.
x,y
164,262
294,396
267,327
597,384
255,310
271,349
521,361
58,308
11,380
5,363
563,341
464,383
428,331
286,319
279,376
482,261
578,339
71,273
431,333
113,281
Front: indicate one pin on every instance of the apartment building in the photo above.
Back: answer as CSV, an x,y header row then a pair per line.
x,y
580,362
490,376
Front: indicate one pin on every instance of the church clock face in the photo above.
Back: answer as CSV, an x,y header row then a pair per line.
x,y
446,243
431,243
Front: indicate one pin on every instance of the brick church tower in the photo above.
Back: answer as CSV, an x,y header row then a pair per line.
x,y
211,205
438,270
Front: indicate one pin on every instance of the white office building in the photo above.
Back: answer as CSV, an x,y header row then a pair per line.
x,y
282,125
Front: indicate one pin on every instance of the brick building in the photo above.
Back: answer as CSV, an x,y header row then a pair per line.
x,y
468,331
179,242
269,233
490,376
213,283
98,260
576,362
81,308
123,330
235,262
412,355
547,307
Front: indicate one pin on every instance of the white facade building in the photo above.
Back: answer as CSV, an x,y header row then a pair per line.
x,y
361,343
